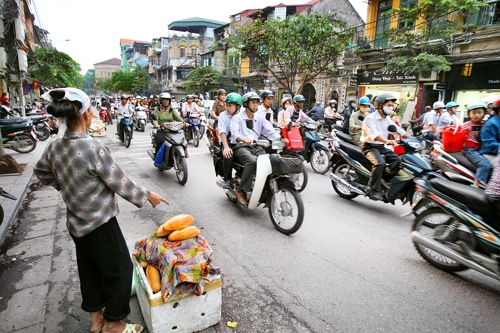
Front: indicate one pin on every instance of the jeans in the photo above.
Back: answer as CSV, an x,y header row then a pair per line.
x,y
105,271
375,153
430,135
482,163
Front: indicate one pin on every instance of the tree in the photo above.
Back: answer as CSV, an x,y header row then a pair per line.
x,y
88,84
134,81
54,68
424,46
203,79
297,48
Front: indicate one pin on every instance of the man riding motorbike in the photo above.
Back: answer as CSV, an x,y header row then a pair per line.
x,y
123,107
431,120
355,123
219,105
330,115
243,138
265,108
105,103
375,134
164,114
348,111
295,114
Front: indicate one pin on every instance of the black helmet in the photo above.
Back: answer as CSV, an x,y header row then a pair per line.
x,y
266,93
350,100
221,91
384,98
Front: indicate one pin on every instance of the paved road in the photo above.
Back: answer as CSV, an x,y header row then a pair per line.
x,y
350,268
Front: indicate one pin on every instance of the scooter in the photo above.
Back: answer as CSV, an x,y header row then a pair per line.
x,y
203,125
272,185
17,134
127,129
103,115
193,130
461,231
8,196
39,118
140,118
315,152
173,152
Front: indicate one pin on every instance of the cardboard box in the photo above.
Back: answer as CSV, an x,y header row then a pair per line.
x,y
187,315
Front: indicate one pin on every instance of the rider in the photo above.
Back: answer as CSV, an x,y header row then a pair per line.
x,y
123,107
448,118
243,137
105,103
350,109
295,114
355,123
219,106
164,114
233,104
316,112
431,120
374,136
490,134
267,97
330,115
285,103
138,101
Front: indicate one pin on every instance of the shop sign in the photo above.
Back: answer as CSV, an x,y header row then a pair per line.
x,y
474,76
380,77
353,81
439,86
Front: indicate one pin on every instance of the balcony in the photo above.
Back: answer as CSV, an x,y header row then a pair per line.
x,y
179,83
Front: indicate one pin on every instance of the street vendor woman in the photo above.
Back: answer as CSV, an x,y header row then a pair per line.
x,y
84,171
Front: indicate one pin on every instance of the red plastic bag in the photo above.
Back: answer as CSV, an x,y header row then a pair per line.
x,y
453,139
295,142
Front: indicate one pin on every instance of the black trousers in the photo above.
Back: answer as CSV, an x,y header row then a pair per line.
x,y
105,271
375,153
160,138
329,123
227,167
247,155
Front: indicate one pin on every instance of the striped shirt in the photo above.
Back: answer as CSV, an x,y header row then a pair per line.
x,y
473,130
88,178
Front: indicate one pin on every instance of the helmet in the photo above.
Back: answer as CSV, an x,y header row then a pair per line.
x,y
234,98
151,96
428,108
266,93
365,100
332,101
221,91
286,99
123,96
489,99
165,96
476,105
189,96
138,97
438,105
384,98
299,98
351,100
248,96
450,105
496,104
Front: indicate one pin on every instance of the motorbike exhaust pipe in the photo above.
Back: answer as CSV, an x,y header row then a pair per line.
x,y
417,237
351,188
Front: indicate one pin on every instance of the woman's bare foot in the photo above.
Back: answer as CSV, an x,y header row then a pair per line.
x,y
119,327
97,321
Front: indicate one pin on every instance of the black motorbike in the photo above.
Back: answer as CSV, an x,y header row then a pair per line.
x,y
127,128
173,152
17,134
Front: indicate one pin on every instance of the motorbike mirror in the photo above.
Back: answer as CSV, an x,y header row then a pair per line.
x,y
249,123
290,124
361,118
268,116
153,116
392,129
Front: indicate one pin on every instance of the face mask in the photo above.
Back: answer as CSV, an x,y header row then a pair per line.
x,y
388,110
363,110
354,105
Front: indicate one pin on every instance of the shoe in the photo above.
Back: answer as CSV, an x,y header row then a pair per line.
x,y
227,185
241,199
374,194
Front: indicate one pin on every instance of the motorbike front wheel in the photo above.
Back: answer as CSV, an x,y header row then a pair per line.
x,y
300,179
202,131
127,137
26,143
42,133
320,161
182,171
427,224
196,138
286,210
343,192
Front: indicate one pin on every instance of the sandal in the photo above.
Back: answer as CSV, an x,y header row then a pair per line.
x,y
130,328
98,331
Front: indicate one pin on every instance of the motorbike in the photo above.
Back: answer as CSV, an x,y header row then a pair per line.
x,y
272,184
140,118
127,129
315,152
461,231
173,152
17,134
203,125
103,115
8,196
193,130
351,171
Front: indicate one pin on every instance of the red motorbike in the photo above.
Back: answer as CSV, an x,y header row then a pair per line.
x,y
103,115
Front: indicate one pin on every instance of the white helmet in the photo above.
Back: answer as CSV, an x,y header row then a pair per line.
x,y
138,97
438,105
164,96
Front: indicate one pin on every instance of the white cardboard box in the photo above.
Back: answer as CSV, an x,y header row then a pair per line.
x,y
187,315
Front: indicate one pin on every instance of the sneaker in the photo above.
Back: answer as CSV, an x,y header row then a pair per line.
x,y
227,185
374,194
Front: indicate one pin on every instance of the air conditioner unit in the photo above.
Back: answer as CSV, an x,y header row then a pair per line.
x,y
23,60
428,76
3,58
20,31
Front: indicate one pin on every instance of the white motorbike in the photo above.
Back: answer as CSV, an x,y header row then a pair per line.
x,y
140,118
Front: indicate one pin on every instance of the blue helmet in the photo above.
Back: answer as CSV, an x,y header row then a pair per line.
x,y
449,105
476,105
365,100
299,98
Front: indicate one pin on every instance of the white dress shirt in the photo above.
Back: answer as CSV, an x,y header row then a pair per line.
x,y
374,125
430,118
263,111
127,108
224,123
446,119
260,126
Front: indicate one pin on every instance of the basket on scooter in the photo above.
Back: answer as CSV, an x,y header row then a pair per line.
x,y
286,165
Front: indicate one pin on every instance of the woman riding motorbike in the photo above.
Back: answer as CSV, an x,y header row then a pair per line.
x,y
164,114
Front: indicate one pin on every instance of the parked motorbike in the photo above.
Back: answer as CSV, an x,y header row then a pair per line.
x,y
127,128
272,184
174,151
17,134
140,118
6,195
351,171
315,152
193,130
461,231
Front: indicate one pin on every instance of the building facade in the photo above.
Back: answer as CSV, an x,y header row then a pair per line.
x,y
104,70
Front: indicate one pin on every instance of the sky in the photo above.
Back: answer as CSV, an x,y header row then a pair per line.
x,y
94,27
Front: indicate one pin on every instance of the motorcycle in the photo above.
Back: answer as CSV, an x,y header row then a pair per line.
x,y
193,130
351,171
8,196
272,184
127,129
103,115
461,231
140,118
40,119
315,152
203,125
17,134
173,152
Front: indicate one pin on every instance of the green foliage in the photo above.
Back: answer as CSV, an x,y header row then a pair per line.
x,y
203,79
55,69
134,82
88,84
298,46
423,47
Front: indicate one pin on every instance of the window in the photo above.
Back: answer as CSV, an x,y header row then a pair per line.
x,y
383,23
488,15
194,51
237,18
402,24
183,52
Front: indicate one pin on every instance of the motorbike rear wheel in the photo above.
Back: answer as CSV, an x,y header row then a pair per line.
x,y
286,209
320,161
341,190
42,133
196,138
127,138
426,224
182,172
26,142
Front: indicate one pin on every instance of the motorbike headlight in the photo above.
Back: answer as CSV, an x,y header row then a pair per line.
x,y
277,145
416,145
311,126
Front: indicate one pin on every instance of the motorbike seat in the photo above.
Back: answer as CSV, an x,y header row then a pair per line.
x,y
38,118
463,160
344,137
11,121
36,113
472,197
356,154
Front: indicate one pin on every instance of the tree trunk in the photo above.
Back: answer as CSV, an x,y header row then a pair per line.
x,y
9,165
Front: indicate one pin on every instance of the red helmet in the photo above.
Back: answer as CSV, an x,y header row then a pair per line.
x,y
496,104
